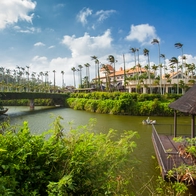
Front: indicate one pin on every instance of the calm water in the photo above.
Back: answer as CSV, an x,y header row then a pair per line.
x,y
41,118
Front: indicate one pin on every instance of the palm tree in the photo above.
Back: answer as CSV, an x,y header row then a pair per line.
x,y
112,60
156,41
138,60
41,73
95,59
133,50
74,70
87,65
27,73
125,77
155,67
2,72
54,79
164,68
107,73
97,62
46,77
146,53
22,71
174,61
80,69
96,72
179,45
62,72
8,71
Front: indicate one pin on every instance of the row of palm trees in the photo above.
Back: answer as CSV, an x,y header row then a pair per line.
x,y
173,65
86,80
21,78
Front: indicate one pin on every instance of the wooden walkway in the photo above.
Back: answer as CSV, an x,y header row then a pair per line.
x,y
167,152
171,146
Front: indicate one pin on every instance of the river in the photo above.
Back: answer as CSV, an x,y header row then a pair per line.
x,y
41,118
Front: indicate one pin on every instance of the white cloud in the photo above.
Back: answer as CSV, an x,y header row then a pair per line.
x,y
143,33
41,59
50,47
11,11
83,14
189,59
39,63
104,14
27,30
88,45
39,44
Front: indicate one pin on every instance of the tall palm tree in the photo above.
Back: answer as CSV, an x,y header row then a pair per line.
x,y
112,60
156,41
80,68
46,77
179,45
97,74
8,72
95,60
74,70
62,72
133,50
155,67
125,77
54,79
146,53
41,73
138,60
27,74
87,65
164,68
174,61
107,73
18,77
2,72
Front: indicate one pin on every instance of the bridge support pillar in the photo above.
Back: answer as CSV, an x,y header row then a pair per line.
x,y
31,104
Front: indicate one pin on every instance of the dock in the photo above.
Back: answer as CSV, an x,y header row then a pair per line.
x,y
167,152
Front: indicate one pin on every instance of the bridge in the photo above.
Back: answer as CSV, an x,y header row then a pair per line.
x,y
58,98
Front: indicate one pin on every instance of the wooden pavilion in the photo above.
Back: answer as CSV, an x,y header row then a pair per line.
x,y
167,151
186,104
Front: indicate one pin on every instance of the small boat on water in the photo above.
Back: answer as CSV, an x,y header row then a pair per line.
x,y
3,110
148,121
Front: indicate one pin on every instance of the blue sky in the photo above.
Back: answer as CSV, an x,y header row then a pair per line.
x,y
57,35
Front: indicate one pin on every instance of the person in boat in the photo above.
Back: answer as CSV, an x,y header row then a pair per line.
x,y
148,120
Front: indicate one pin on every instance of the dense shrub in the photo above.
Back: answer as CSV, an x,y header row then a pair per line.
x,y
123,103
72,162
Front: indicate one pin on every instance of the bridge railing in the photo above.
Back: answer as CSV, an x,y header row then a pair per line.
x,y
168,160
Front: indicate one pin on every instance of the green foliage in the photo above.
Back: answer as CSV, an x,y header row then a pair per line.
x,y
25,102
122,103
74,161
170,188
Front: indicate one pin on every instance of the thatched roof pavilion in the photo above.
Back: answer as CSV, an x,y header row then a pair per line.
x,y
186,104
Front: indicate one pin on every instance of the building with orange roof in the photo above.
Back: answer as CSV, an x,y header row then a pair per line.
x,y
135,82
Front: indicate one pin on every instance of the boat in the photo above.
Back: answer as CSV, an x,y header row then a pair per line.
x,y
3,110
149,122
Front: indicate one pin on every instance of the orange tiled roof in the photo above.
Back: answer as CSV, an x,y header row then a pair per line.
x,y
108,66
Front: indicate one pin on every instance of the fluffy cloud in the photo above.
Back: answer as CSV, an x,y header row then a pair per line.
x,y
143,33
83,14
42,59
39,44
104,14
11,11
88,45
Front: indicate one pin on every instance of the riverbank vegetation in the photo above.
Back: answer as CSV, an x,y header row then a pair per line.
x,y
123,103
74,161
25,102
